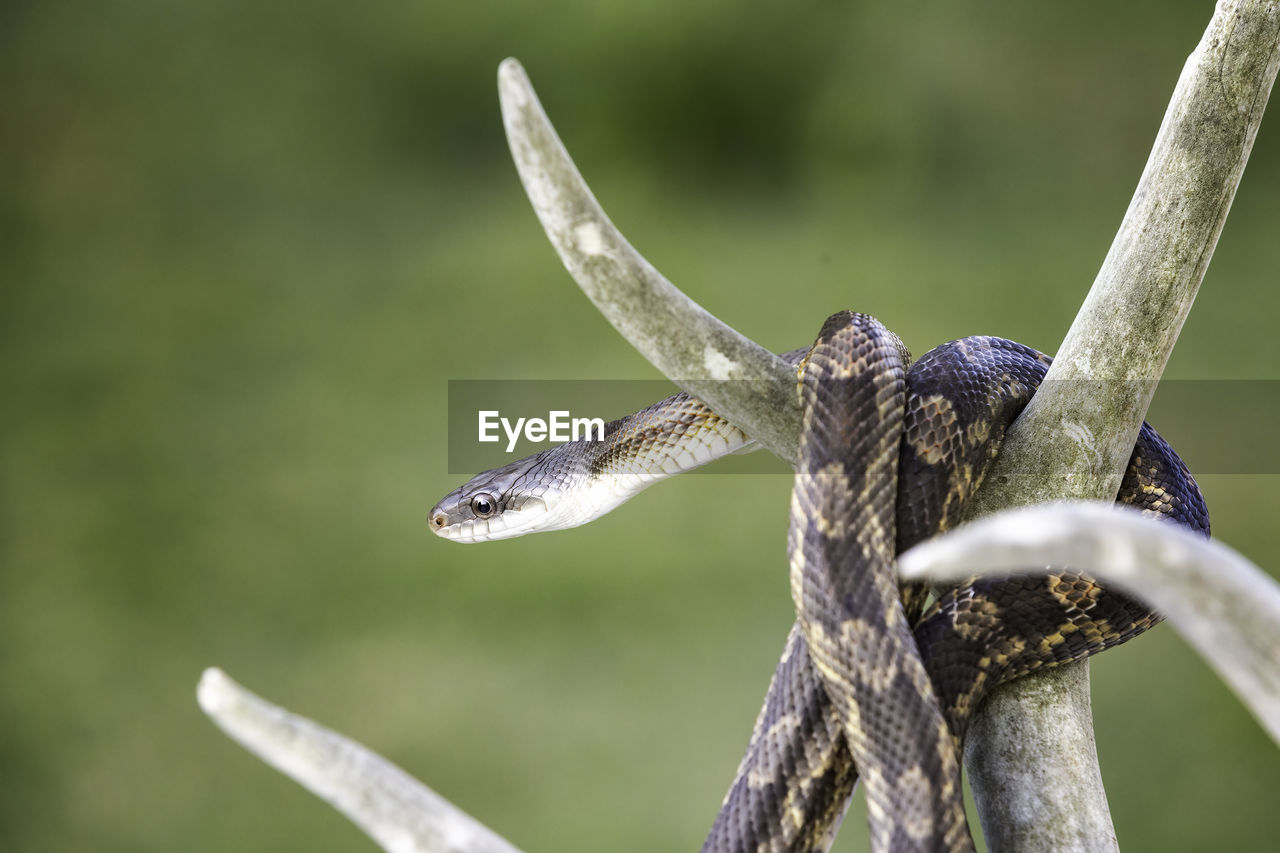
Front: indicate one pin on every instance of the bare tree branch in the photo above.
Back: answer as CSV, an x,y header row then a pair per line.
x,y
1076,436
677,335
398,812
1077,432
1224,605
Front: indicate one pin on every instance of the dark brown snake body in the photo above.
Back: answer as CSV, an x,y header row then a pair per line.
x,y
888,458
869,677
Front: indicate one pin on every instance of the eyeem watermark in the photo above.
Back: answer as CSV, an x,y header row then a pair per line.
x,y
479,439
558,426
1217,426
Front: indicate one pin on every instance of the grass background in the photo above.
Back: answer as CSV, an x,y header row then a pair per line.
x,y
245,246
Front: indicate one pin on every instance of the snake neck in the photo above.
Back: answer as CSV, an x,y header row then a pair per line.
x,y
570,484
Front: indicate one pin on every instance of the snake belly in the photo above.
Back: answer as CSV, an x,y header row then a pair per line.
x,y
794,782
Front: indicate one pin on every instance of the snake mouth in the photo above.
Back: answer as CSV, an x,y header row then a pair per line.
x,y
524,516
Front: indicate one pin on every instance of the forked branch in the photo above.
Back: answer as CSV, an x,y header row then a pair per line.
x,y
1078,432
1075,438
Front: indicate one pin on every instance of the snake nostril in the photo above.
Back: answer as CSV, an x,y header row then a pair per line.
x,y
438,520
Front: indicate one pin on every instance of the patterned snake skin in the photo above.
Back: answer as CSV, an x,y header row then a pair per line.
x,y
888,457
869,678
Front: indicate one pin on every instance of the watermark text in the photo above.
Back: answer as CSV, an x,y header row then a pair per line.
x,y
558,426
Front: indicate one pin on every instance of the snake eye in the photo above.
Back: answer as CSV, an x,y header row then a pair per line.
x,y
484,505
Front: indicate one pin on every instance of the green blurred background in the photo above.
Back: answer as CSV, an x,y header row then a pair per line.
x,y
246,245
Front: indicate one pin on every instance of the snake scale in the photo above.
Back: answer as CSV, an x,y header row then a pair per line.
x,y
870,679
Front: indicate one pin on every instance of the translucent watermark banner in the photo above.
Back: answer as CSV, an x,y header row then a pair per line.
x,y
496,422
1216,426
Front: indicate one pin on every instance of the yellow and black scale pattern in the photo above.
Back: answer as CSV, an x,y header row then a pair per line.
x,y
869,678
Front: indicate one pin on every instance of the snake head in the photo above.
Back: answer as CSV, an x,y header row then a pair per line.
x,y
534,493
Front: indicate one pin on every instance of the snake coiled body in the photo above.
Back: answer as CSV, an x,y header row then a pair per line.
x,y
868,676
842,544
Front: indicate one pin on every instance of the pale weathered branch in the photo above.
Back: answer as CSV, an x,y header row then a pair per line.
x,y
1075,438
398,812
1224,605
679,337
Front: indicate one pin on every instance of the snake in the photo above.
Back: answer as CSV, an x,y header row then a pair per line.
x,y
877,679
